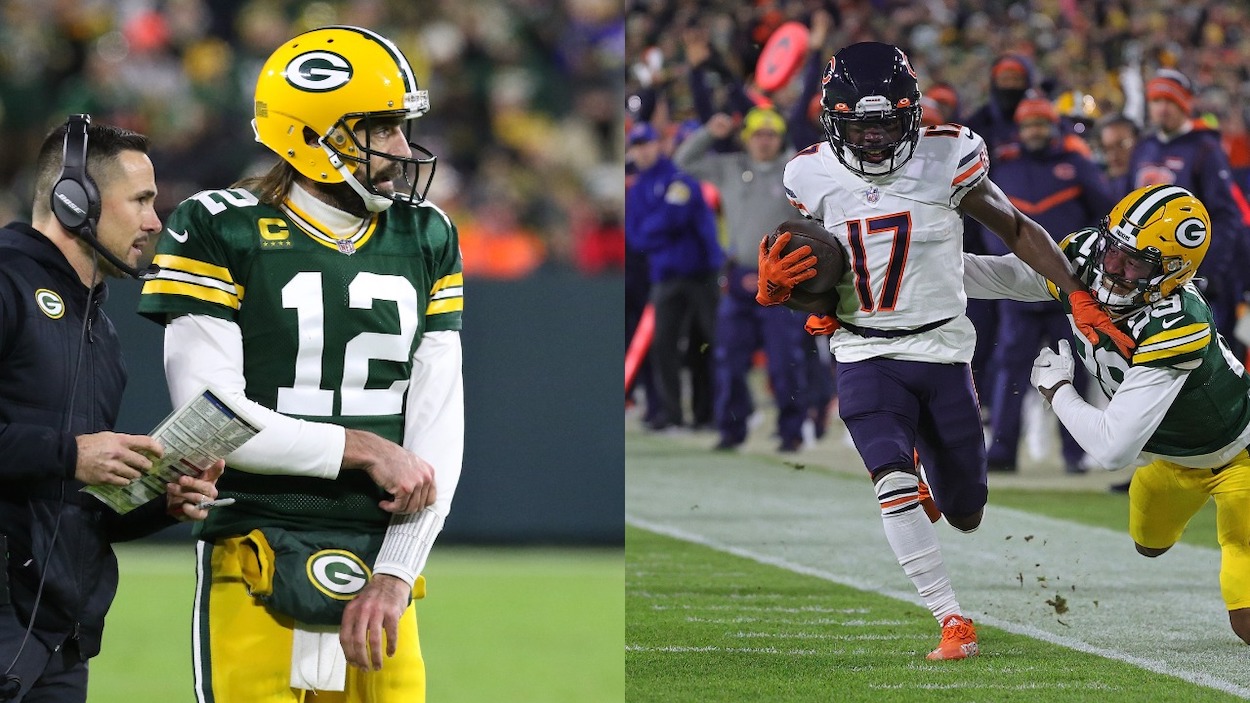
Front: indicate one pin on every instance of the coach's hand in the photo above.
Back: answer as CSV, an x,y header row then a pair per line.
x,y
780,274
370,615
406,476
112,459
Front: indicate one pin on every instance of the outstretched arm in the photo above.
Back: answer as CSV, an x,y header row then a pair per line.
x,y
987,204
1114,436
1003,277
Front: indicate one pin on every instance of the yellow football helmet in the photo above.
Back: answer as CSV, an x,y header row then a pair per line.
x,y
312,95
1152,242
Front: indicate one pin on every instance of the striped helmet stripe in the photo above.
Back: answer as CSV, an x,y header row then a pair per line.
x,y
1141,211
405,71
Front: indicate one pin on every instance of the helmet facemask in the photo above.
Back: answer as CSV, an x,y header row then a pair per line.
x,y
1143,273
409,177
872,112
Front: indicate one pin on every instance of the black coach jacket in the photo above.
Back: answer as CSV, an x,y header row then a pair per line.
x,y
44,346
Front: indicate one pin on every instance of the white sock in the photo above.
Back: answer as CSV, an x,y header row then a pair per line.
x,y
915,544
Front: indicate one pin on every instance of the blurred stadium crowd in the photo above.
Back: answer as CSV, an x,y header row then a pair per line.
x,y
525,97
1104,49
1092,70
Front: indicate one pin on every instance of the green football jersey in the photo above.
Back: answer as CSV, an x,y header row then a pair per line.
x,y
329,330
1176,332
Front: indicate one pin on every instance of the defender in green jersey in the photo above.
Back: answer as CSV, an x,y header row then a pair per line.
x,y
324,298
1179,405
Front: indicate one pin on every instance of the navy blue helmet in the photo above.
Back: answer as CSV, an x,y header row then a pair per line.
x,y
871,85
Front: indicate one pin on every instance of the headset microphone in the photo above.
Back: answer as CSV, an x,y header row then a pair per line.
x,y
75,199
89,237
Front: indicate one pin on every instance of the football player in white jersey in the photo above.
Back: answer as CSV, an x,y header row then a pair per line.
x,y
893,194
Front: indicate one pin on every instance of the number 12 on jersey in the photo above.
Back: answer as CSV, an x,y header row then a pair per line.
x,y
303,293
858,232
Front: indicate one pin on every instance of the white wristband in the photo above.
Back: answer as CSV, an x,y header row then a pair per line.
x,y
407,545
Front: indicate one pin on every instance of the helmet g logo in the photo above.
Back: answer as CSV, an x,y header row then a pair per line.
x,y
318,71
337,573
1191,232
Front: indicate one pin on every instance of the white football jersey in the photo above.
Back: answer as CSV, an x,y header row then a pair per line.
x,y
904,242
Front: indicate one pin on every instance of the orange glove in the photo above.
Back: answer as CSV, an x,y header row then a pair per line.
x,y
820,325
1091,319
779,275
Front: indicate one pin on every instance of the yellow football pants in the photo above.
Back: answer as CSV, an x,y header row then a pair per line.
x,y
242,651
1164,496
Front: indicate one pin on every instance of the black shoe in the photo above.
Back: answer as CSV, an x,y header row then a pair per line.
x,y
1001,468
1119,487
726,445
790,446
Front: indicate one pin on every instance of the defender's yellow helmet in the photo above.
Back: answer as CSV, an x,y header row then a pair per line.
x,y
318,87
1152,242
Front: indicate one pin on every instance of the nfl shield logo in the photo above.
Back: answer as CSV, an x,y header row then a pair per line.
x,y
346,246
872,195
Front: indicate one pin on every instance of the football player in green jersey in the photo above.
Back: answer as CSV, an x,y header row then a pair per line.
x,y
324,298
1179,405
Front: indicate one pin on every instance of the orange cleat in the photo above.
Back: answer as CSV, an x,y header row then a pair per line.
x,y
926,502
959,640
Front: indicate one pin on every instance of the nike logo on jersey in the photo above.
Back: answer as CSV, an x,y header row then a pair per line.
x,y
1172,321
180,238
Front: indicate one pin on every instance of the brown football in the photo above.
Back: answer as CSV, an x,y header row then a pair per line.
x,y
831,262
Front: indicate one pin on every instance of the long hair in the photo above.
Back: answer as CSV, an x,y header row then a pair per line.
x,y
273,185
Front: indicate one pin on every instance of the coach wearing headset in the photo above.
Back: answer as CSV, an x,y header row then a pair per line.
x,y
61,382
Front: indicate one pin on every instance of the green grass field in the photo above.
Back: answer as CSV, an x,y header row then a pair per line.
x,y
521,625
750,632
730,610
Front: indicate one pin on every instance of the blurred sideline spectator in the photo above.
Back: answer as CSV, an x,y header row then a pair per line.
x,y
667,219
940,103
1062,190
1187,153
525,97
1011,76
1117,135
753,202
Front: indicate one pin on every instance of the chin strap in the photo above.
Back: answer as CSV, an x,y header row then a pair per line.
x,y
373,201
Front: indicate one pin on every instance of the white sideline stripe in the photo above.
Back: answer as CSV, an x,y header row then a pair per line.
x,y
819,636
1154,665
672,649
992,686
804,621
1163,615
765,609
